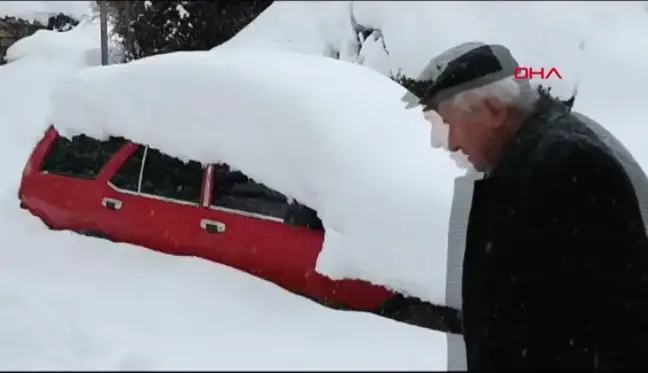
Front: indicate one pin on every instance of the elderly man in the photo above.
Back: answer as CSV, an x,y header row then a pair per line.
x,y
555,269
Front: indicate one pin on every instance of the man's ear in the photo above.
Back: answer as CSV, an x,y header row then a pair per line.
x,y
497,109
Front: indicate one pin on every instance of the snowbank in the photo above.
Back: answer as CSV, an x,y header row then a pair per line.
x,y
41,11
75,303
331,134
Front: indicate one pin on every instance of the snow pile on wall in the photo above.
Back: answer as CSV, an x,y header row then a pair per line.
x,y
41,11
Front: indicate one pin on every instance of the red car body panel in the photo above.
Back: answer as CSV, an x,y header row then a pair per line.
x,y
269,249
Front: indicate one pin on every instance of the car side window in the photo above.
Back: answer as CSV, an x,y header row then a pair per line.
x,y
128,176
81,156
234,190
300,215
161,175
169,177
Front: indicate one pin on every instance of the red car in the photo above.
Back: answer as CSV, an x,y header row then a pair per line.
x,y
127,192
132,193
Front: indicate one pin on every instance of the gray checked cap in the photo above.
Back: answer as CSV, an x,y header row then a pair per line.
x,y
461,68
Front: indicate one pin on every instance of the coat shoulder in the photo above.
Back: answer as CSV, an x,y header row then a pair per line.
x,y
570,146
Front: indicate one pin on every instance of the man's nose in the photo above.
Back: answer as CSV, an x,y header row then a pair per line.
x,y
439,132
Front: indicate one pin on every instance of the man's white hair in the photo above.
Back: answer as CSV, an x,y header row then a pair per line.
x,y
516,93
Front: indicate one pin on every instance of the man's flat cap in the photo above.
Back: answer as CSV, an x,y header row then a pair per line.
x,y
467,66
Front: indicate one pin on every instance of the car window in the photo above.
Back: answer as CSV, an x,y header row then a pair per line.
x,y
300,215
81,156
169,177
234,190
161,175
128,176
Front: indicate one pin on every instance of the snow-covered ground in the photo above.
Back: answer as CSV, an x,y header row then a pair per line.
x,y
71,302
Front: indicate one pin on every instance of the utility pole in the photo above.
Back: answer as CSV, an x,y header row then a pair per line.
x,y
103,18
129,30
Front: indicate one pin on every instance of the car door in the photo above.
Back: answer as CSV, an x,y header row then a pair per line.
x,y
251,218
62,184
153,200
276,240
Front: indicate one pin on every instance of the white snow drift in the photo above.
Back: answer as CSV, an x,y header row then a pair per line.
x,y
69,302
72,302
331,134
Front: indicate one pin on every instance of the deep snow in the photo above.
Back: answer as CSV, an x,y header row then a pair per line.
x,y
55,329
72,302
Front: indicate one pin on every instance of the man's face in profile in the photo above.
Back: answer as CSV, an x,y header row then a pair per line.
x,y
439,138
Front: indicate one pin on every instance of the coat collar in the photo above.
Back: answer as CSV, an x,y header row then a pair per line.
x,y
546,110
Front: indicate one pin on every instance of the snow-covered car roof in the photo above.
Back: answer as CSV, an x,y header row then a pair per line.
x,y
331,134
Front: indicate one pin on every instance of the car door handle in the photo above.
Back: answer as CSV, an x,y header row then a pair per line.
x,y
111,203
212,226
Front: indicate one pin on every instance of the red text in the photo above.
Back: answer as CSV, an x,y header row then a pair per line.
x,y
525,73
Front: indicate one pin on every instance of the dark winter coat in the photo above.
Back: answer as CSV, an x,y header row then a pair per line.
x,y
555,270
